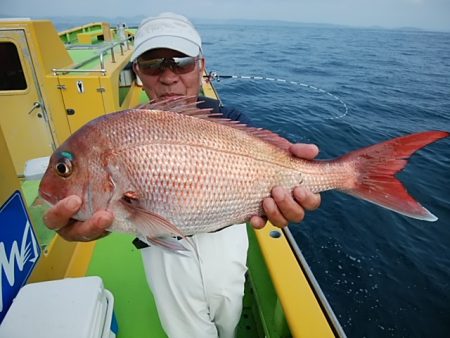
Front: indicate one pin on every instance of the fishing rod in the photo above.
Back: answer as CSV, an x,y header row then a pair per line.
x,y
214,76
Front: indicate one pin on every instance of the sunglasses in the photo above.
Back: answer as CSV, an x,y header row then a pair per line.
x,y
178,65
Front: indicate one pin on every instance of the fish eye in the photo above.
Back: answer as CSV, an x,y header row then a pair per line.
x,y
64,167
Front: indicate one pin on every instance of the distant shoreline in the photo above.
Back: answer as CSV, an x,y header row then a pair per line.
x,y
135,20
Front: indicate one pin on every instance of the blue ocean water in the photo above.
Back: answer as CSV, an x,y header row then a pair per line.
x,y
385,275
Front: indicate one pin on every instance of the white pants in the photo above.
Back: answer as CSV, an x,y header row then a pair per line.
x,y
200,297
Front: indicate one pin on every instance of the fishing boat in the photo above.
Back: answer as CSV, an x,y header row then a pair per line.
x,y
52,83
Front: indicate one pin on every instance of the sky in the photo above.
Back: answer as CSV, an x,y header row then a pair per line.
x,y
423,14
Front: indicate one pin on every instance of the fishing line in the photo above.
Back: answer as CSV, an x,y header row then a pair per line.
x,y
214,76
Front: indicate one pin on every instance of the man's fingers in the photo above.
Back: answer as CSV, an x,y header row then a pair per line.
x,y
305,151
273,213
93,228
258,222
306,198
61,213
288,207
59,218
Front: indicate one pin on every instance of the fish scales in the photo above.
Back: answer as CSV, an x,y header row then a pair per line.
x,y
201,180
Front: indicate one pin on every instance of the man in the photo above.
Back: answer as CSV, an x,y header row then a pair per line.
x,y
198,294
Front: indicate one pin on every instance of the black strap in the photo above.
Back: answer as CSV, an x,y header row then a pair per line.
x,y
139,244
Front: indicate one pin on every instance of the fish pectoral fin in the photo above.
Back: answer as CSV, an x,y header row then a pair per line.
x,y
169,243
131,198
149,224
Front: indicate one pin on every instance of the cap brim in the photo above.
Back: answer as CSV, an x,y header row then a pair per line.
x,y
170,42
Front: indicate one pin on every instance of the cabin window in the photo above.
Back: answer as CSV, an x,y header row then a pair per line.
x,y
11,71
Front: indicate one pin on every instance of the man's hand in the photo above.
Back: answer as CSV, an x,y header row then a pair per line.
x,y
284,207
59,218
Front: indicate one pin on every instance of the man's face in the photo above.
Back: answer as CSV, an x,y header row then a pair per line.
x,y
167,82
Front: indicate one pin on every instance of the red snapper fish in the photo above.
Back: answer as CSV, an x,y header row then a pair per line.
x,y
171,169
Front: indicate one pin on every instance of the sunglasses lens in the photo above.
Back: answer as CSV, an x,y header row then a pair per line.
x,y
178,65
184,65
151,66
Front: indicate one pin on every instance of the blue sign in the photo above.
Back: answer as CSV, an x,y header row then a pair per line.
x,y
19,250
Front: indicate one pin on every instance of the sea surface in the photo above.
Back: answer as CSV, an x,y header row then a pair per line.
x,y
385,275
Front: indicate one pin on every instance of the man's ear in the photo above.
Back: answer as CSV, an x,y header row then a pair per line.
x,y
202,64
135,67
136,72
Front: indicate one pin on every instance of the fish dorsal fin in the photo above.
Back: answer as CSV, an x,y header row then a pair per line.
x,y
187,105
263,134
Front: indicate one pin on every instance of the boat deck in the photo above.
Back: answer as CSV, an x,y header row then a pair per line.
x,y
119,264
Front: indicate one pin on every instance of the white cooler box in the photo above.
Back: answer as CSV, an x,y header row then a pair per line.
x,y
69,308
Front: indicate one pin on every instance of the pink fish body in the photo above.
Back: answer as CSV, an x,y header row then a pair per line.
x,y
179,171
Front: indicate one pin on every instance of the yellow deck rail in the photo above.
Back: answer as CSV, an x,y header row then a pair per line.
x,y
302,310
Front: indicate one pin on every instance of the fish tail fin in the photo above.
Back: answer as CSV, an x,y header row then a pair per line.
x,y
376,166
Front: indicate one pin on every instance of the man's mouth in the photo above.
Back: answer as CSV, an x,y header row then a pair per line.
x,y
169,95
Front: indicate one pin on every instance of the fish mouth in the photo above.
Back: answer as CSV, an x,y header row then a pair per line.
x,y
49,198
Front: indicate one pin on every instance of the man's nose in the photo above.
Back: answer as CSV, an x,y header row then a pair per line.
x,y
168,76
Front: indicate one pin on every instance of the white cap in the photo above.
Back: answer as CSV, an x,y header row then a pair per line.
x,y
167,30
